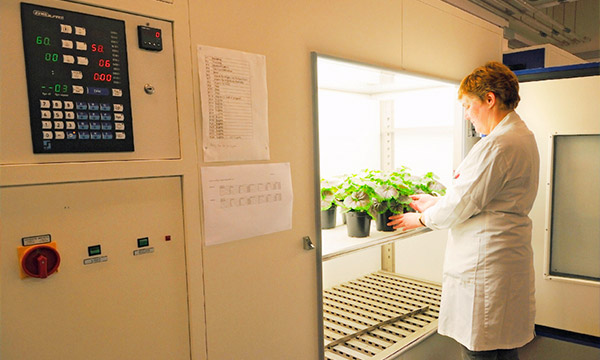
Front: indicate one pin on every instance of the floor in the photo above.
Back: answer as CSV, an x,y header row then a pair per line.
x,y
544,348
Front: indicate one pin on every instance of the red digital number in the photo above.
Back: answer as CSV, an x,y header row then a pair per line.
x,y
97,48
104,63
102,77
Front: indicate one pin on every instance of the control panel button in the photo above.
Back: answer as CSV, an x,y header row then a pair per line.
x,y
80,31
67,44
66,29
77,89
59,135
80,46
44,104
82,60
46,114
68,59
76,75
68,105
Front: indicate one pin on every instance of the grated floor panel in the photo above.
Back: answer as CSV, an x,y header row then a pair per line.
x,y
377,315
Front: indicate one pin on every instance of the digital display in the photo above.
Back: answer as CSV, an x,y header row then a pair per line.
x,y
94,250
150,38
77,81
142,242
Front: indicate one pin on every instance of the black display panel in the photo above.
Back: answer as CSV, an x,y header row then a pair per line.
x,y
77,81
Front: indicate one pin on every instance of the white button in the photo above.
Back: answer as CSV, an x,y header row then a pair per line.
x,y
79,30
59,125
118,107
59,135
77,89
119,126
81,60
46,124
119,135
56,104
67,44
57,114
117,92
77,75
69,115
68,105
80,45
45,104
68,59
66,29
70,125
47,134
46,114
119,117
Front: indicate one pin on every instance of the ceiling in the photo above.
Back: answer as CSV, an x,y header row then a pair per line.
x,y
573,25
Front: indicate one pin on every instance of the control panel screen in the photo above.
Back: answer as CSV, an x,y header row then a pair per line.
x,y
77,81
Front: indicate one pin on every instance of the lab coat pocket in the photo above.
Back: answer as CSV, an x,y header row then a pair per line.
x,y
456,309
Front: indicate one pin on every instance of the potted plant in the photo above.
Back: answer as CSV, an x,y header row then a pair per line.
x,y
328,203
391,197
357,193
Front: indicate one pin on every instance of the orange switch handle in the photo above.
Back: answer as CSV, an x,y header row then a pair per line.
x,y
42,263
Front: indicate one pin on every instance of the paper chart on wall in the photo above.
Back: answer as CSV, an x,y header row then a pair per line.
x,y
244,201
233,94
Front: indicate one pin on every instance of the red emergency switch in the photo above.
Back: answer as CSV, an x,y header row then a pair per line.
x,y
40,261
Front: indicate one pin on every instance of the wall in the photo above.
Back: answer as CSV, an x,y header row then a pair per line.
x,y
567,106
257,298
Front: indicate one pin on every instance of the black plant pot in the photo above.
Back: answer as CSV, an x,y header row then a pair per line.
x,y
358,223
381,221
328,217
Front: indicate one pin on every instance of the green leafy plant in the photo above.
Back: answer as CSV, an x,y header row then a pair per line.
x,y
392,191
328,191
356,193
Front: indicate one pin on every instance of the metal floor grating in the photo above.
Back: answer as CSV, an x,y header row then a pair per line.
x,y
377,315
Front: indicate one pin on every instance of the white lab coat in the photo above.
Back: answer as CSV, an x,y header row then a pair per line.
x,y
488,288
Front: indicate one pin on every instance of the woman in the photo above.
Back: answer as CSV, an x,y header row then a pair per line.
x,y
488,302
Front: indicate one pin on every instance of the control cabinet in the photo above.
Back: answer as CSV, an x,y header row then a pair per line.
x,y
87,84
114,286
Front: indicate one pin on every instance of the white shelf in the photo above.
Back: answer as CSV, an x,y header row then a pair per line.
x,y
336,242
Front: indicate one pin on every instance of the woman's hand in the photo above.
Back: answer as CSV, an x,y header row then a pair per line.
x,y
405,221
422,202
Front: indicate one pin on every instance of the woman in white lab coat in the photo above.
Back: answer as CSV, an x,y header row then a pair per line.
x,y
488,302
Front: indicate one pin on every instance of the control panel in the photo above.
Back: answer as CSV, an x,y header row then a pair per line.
x,y
77,81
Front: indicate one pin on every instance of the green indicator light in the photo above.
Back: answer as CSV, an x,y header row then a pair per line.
x,y
94,250
142,242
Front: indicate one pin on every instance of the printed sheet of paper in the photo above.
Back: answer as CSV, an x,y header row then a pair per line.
x,y
233,94
244,201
